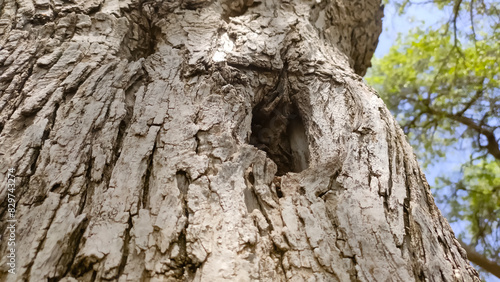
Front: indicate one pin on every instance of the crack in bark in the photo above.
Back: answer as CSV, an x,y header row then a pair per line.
x,y
355,272
94,276
280,253
406,213
76,243
125,252
183,181
88,191
144,199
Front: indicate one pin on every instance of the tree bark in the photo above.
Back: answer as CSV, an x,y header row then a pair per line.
x,y
208,141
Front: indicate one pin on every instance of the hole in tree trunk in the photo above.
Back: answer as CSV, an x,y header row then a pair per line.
x,y
281,134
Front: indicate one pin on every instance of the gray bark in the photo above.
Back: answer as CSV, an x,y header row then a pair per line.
x,y
208,141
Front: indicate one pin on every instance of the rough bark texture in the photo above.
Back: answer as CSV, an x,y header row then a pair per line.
x,y
208,141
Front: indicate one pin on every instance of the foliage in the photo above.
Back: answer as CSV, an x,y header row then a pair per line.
x,y
478,190
443,86
441,92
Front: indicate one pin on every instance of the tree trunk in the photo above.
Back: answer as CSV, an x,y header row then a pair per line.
x,y
202,140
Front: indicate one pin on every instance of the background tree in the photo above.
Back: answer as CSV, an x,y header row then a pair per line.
x,y
197,140
443,86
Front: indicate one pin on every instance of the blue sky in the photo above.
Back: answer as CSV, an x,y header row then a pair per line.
x,y
424,16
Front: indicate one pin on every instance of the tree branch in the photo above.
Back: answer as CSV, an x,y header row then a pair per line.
x,y
477,95
472,22
456,12
479,259
492,147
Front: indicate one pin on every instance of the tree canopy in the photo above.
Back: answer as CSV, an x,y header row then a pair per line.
x,y
443,85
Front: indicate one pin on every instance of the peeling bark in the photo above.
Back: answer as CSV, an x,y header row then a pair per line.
x,y
208,141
